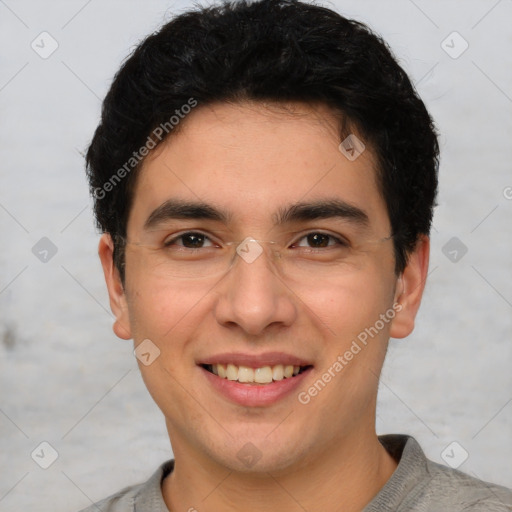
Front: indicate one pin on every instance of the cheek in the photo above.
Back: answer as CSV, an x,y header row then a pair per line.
x,y
356,339
166,315
346,306
158,309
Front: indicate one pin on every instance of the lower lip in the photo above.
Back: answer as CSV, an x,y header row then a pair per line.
x,y
255,395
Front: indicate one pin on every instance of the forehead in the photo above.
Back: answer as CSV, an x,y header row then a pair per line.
x,y
250,160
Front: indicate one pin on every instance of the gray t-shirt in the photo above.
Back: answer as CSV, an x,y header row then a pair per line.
x,y
417,485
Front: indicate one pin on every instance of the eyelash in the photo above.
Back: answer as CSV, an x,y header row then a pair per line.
x,y
339,241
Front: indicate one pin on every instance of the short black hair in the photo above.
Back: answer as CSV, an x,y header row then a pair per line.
x,y
277,51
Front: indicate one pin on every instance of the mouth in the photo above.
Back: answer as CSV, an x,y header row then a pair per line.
x,y
262,375
255,380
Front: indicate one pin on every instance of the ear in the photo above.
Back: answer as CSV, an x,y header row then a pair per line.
x,y
115,288
409,289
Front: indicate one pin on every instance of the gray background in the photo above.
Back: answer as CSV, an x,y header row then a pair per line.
x,y
67,380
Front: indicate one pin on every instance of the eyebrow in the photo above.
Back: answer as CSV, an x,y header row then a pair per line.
x,y
177,209
322,209
302,211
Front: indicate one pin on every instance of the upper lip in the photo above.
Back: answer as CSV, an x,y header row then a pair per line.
x,y
255,360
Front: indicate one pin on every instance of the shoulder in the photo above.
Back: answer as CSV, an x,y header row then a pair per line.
x,y
421,485
121,501
145,496
466,492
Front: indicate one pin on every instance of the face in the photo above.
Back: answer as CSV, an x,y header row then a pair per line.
x,y
264,354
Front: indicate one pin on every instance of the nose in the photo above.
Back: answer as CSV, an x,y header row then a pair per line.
x,y
253,296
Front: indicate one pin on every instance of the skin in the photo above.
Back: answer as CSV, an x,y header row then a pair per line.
x,y
250,159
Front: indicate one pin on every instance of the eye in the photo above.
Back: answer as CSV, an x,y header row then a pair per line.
x,y
318,240
190,240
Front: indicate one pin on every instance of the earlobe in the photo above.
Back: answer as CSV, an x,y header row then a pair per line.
x,y
115,288
409,289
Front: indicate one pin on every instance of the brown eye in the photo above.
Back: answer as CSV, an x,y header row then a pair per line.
x,y
190,240
318,240
193,240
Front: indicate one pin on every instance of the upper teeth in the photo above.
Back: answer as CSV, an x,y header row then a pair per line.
x,y
263,375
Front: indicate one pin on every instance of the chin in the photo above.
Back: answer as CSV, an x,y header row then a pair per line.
x,y
253,461
258,453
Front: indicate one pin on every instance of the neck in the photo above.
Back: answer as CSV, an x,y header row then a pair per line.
x,y
352,473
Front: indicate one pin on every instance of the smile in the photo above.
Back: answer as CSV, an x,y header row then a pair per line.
x,y
262,375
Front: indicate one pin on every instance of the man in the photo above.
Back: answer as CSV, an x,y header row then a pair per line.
x,y
264,175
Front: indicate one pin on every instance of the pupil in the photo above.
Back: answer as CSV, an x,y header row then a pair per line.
x,y
193,240
318,240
